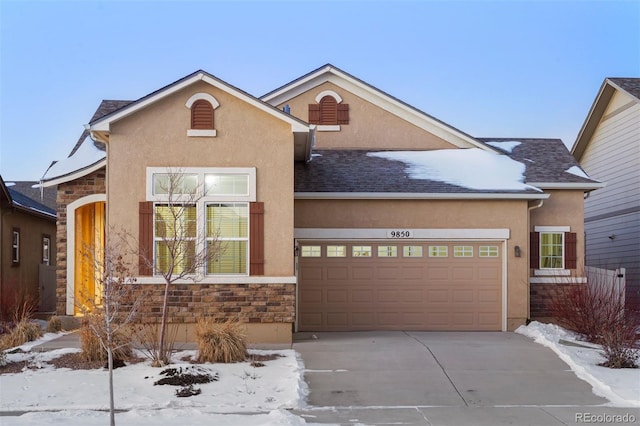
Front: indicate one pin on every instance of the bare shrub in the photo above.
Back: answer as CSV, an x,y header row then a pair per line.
x,y
147,337
54,325
597,311
23,332
220,341
92,345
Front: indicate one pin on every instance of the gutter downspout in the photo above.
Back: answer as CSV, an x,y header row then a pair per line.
x,y
530,209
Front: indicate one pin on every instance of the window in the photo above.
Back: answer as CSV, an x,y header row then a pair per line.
x,y
438,251
46,250
227,238
361,251
488,251
311,251
202,106
336,251
462,251
412,251
328,112
551,250
15,246
201,220
387,251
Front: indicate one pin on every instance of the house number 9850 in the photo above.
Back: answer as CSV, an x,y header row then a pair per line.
x,y
403,233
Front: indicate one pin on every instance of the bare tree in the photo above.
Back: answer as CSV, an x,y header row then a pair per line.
x,y
116,303
182,250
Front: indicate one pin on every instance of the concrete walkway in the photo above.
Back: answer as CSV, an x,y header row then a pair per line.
x,y
438,378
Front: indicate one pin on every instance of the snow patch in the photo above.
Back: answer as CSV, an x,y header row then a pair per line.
x,y
577,171
470,168
506,146
86,155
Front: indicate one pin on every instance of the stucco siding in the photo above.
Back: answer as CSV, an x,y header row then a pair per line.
x,y
370,126
157,137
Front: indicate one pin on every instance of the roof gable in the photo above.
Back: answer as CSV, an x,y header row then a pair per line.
x,y
10,197
629,86
100,127
334,75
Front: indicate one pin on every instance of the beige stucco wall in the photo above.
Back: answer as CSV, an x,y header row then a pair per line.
x,y
563,208
157,136
436,214
369,125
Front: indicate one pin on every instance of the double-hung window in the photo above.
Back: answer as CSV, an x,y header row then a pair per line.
x,y
201,219
553,249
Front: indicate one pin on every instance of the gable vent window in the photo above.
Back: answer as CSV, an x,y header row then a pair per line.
x,y
202,106
328,113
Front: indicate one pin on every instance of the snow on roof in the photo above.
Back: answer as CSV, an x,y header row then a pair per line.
x,y
506,146
86,155
575,170
471,168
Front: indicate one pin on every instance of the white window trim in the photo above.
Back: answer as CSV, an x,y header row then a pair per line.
x,y
203,200
202,96
331,93
552,271
201,172
328,127
552,229
199,133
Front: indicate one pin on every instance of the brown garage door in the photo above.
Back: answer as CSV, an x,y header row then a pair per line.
x,y
347,286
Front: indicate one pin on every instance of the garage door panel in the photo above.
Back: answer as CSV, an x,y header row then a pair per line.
x,y
398,292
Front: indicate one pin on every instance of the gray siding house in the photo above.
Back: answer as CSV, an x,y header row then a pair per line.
x,y
608,149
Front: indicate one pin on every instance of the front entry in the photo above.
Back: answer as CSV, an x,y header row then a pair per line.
x,y
88,255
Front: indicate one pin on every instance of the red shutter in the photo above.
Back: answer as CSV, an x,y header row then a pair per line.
x,y
314,113
201,115
328,111
570,250
534,250
343,113
145,237
256,238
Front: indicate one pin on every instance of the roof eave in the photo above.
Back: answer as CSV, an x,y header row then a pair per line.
x,y
593,119
45,183
417,196
568,185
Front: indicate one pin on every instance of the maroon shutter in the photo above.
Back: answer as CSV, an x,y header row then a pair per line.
x,y
256,238
328,111
534,250
570,250
314,113
343,113
201,115
145,237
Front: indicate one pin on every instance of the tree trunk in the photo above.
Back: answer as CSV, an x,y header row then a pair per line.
x,y
162,355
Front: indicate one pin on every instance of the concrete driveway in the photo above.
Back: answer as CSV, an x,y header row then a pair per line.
x,y
447,378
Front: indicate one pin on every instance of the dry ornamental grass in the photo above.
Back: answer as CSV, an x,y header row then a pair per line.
x,y
220,341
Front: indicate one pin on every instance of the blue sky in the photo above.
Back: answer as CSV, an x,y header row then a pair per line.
x,y
488,68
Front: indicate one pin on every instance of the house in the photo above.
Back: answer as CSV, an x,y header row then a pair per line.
x,y
27,251
608,148
341,207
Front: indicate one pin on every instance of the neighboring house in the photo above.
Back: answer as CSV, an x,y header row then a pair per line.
x,y
608,148
27,250
344,208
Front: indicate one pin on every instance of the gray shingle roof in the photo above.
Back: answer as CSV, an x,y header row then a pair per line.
x,y
346,171
106,107
26,188
631,85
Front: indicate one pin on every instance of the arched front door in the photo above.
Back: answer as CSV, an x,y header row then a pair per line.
x,y
88,255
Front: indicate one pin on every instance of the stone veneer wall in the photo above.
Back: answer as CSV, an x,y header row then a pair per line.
x,y
69,192
247,303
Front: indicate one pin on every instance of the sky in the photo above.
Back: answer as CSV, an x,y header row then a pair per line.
x,y
488,68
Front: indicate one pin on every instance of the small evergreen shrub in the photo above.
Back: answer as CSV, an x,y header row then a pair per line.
x,y
220,341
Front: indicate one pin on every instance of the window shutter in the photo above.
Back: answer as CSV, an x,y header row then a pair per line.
x,y
201,115
256,238
343,113
314,113
328,111
570,250
534,250
145,238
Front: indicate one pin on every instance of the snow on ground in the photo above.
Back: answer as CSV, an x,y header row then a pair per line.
x,y
243,395
620,386
470,168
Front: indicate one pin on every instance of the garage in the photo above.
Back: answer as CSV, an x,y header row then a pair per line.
x,y
393,285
